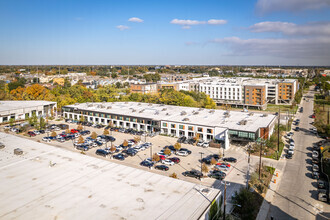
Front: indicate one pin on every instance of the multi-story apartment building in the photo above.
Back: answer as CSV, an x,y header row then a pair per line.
x,y
176,120
247,92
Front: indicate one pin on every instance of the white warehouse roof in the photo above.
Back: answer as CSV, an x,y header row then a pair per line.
x,y
185,115
83,187
15,105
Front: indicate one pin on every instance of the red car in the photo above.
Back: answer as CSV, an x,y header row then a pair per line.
x,y
226,164
31,133
162,157
175,159
73,131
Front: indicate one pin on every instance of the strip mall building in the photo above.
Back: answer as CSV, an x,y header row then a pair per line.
x,y
209,124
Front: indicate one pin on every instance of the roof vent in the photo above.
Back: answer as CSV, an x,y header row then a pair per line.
x,y
264,115
164,109
212,111
251,114
183,113
168,114
133,110
141,111
185,119
243,122
157,113
109,107
195,113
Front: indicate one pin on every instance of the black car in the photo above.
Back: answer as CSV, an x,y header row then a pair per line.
x,y
217,175
215,156
297,128
321,184
119,157
41,131
131,152
288,156
146,164
193,173
207,160
102,152
162,167
109,138
85,132
185,149
230,159
171,147
191,141
182,139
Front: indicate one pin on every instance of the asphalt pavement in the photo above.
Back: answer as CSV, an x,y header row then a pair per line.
x,y
296,195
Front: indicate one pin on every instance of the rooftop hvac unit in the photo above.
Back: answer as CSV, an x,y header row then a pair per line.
x,y
183,113
150,104
201,109
133,110
243,122
164,109
185,119
109,107
264,115
251,114
212,111
168,114
141,111
157,113
195,113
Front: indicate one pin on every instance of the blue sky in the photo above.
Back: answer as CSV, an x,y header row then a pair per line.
x,y
195,32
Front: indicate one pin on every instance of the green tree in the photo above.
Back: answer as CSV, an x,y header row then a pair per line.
x,y
42,123
245,202
94,135
177,146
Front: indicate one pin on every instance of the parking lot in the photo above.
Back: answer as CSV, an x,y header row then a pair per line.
x,y
235,173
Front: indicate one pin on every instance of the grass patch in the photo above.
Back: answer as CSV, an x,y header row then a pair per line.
x,y
283,108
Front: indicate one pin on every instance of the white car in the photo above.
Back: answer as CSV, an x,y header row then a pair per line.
x,y
149,160
168,162
315,154
316,168
36,132
291,152
221,167
7,127
57,129
46,139
13,129
119,147
182,153
292,145
205,144
200,143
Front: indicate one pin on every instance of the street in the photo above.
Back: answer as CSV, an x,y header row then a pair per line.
x,y
296,194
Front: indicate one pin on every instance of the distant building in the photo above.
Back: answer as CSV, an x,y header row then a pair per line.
x,y
147,88
20,110
59,81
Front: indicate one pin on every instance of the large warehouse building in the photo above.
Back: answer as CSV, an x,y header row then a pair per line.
x,y
177,121
47,182
20,110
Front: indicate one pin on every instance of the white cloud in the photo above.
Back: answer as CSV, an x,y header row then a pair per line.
x,y
135,19
186,24
122,27
216,22
311,29
268,6
303,48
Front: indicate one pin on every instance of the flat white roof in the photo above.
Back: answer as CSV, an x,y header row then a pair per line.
x,y
15,105
170,113
84,187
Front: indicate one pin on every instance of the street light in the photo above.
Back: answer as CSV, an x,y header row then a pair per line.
x,y
201,163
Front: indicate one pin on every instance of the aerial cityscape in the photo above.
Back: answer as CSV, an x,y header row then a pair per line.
x,y
165,109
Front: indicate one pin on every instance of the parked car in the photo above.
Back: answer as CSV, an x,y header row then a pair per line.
x,y
82,147
175,159
215,156
321,184
224,163
297,129
230,159
181,153
217,175
291,151
185,149
288,156
221,167
102,152
31,133
205,144
316,168
316,175
193,173
46,139
162,167
200,143
315,154
182,139
119,156
207,160
322,195
168,162
146,164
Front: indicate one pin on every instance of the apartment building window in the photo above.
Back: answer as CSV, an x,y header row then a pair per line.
x,y
91,113
134,119
172,125
108,116
127,119
209,131
120,117
181,127
190,128
114,117
164,124
96,114
200,129
102,115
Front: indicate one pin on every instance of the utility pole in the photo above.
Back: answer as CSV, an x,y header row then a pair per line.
x,y
224,202
278,132
201,162
260,161
248,170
